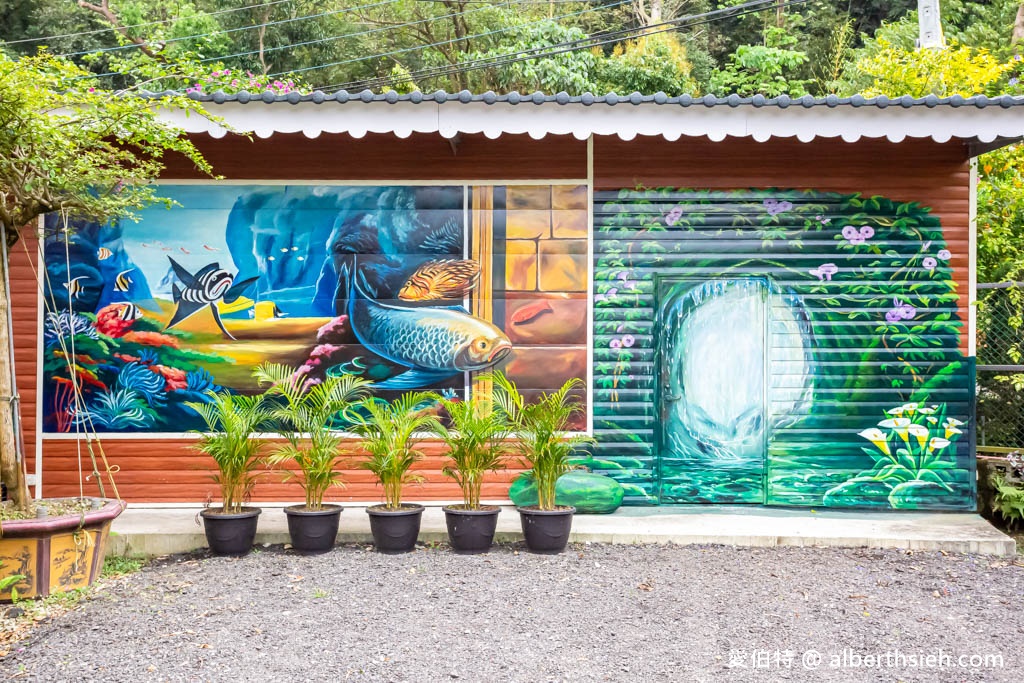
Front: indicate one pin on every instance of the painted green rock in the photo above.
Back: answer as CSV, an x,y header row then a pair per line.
x,y
589,493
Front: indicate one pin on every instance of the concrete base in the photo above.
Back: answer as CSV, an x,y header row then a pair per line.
x,y
151,531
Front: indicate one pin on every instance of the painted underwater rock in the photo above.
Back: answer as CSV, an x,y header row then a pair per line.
x,y
435,343
589,493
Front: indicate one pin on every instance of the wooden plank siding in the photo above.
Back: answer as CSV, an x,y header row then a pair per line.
x,y
23,259
165,470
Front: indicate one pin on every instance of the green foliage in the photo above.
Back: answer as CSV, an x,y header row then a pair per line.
x,y
650,64
476,444
1007,499
390,432
67,145
9,582
572,72
769,69
116,565
304,419
539,429
955,70
232,421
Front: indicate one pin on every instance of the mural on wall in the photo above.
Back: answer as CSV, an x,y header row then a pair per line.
x,y
780,347
395,284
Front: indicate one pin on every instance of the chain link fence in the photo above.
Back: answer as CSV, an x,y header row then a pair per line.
x,y
1000,368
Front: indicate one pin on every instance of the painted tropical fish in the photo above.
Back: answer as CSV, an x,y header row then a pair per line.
x,y
129,311
122,282
203,289
103,253
445,279
530,312
435,343
74,287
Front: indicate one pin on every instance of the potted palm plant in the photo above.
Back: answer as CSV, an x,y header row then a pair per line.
x,y
476,445
545,447
389,433
232,420
304,416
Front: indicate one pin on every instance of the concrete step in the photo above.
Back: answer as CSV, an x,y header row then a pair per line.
x,y
153,530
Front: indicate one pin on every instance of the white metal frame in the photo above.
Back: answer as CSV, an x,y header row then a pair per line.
x,y
464,183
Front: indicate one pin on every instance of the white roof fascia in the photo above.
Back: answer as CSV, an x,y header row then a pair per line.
x,y
627,121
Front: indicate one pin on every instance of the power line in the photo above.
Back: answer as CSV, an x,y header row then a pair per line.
x,y
448,42
574,45
233,30
148,23
380,29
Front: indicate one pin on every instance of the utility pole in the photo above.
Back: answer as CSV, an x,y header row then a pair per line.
x,y
929,25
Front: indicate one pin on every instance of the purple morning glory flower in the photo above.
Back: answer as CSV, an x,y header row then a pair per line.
x,y
944,255
850,232
621,328
825,271
893,316
856,240
867,232
673,216
1013,81
615,344
628,340
929,263
775,207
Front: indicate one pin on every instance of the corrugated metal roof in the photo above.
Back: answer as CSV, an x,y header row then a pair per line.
x,y
611,99
985,122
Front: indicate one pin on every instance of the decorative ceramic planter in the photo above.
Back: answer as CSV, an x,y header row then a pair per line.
x,y
57,554
546,531
471,531
395,531
313,531
230,534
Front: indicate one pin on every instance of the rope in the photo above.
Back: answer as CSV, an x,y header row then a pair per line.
x,y
51,307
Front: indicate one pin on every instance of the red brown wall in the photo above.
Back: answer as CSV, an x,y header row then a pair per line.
x,y
157,470
24,306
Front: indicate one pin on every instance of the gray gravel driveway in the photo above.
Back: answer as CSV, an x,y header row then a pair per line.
x,y
594,613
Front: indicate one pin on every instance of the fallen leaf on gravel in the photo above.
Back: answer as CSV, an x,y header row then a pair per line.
x,y
856,597
295,578
646,586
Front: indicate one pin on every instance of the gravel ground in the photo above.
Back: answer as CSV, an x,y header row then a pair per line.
x,y
594,613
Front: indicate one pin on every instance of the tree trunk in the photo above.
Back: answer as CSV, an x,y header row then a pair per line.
x,y
11,471
1018,26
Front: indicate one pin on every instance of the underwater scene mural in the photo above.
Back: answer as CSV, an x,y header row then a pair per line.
x,y
779,347
403,285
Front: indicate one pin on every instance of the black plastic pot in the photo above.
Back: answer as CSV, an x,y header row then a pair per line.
x,y
313,531
546,531
395,531
471,531
230,534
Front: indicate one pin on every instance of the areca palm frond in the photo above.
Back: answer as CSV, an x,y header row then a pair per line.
x,y
231,421
390,432
540,430
476,444
303,418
